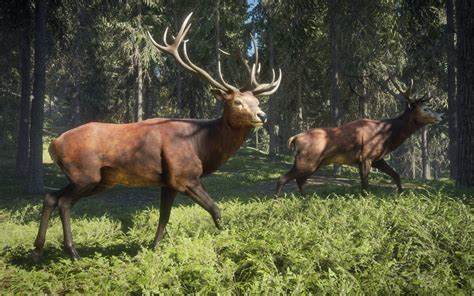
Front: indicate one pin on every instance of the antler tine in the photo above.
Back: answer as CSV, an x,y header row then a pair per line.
x,y
165,42
173,49
397,86
222,78
255,47
256,64
273,86
201,72
409,88
405,93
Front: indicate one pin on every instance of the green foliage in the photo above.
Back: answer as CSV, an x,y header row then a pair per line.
x,y
332,241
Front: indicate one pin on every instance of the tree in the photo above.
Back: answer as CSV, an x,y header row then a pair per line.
x,y
25,72
35,178
451,81
465,91
335,74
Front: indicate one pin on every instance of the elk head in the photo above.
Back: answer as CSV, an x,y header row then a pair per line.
x,y
416,106
241,106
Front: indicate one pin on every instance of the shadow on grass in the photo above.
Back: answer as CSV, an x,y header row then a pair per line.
x,y
22,256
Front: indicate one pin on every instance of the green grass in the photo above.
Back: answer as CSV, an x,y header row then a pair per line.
x,y
331,241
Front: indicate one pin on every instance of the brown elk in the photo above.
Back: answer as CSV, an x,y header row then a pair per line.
x,y
362,143
169,153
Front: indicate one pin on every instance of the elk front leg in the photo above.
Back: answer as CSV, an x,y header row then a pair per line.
x,y
167,198
364,169
383,166
196,192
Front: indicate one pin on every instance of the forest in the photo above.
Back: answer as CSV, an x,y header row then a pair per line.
x,y
66,63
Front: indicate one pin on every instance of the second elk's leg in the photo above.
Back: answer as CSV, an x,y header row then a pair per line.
x,y
383,166
167,198
364,170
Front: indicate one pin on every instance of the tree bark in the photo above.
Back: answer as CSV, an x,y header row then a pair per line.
x,y
334,70
425,161
25,72
139,87
364,98
35,180
299,101
273,116
139,68
465,91
451,59
412,161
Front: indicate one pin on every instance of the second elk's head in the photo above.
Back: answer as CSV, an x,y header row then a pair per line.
x,y
416,105
241,106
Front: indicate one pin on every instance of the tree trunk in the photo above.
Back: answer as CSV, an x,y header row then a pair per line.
x,y
25,72
139,86
451,58
425,161
256,138
76,106
217,26
77,69
139,66
412,161
273,115
364,98
147,100
35,180
465,91
334,70
299,101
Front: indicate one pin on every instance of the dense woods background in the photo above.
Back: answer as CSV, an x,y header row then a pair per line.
x,y
65,63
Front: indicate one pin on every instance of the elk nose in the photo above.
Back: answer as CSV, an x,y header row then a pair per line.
x,y
262,116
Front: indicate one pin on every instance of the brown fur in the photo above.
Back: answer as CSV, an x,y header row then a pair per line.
x,y
361,143
169,153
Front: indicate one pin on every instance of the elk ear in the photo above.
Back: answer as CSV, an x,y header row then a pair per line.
x,y
220,94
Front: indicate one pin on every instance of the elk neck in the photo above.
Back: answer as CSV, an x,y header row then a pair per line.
x,y
402,127
218,142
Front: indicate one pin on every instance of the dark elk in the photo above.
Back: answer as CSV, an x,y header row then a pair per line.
x,y
362,143
169,153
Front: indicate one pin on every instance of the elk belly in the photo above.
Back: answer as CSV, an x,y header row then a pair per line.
x,y
339,159
112,176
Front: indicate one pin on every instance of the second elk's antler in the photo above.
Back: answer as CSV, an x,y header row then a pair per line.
x,y
256,88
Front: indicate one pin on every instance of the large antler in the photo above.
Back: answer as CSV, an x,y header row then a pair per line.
x,y
264,89
405,93
173,49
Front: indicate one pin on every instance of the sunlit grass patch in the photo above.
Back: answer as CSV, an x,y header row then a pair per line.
x,y
333,240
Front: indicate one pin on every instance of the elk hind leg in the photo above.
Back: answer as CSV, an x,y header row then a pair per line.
x,y
364,170
383,166
49,204
289,176
87,185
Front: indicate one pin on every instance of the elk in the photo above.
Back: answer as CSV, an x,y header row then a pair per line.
x,y
169,153
362,143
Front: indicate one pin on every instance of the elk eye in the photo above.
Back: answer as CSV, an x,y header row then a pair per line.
x,y
238,103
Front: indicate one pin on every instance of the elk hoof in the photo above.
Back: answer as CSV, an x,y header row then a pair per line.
x,y
73,253
218,223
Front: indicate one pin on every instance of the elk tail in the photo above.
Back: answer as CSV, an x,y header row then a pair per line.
x,y
291,144
53,153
